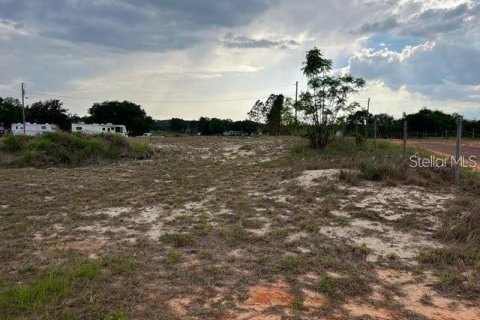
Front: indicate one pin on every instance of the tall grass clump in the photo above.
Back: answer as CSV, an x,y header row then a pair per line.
x,y
71,149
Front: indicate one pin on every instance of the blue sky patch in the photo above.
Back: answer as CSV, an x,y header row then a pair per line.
x,y
394,43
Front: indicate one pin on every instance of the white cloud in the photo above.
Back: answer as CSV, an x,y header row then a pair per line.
x,y
433,64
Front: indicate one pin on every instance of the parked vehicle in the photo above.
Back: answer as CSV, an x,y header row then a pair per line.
x,y
97,128
235,134
146,135
33,129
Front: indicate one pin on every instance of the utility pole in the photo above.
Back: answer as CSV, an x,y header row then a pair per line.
x,y
405,136
296,106
23,108
366,119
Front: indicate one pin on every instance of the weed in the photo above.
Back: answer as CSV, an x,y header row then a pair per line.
x,y
341,287
297,303
348,176
119,264
291,264
179,239
361,249
173,257
119,315
246,147
407,221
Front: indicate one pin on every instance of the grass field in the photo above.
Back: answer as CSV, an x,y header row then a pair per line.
x,y
240,228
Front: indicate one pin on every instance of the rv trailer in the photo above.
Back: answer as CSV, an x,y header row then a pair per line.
x,y
99,128
33,129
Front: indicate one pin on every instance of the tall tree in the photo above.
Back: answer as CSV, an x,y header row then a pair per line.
x,y
127,113
10,111
330,96
275,112
50,111
269,112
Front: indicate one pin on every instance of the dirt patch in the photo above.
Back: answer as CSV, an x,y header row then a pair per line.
x,y
89,245
179,306
416,294
447,148
357,309
261,298
313,300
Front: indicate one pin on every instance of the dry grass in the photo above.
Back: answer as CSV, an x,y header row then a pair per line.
x,y
208,226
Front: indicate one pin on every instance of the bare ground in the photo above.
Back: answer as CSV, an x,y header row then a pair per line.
x,y
226,228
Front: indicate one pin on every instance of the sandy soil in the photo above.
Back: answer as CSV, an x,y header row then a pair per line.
x,y
229,229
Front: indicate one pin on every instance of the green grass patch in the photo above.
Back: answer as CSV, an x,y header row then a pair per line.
x,y
46,292
342,287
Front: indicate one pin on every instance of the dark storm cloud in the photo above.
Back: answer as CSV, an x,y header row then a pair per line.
x,y
231,41
131,24
380,26
427,22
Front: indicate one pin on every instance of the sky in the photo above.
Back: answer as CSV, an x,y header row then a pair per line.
x,y
192,58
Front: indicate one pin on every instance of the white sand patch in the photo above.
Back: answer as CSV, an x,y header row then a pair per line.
x,y
282,198
296,236
196,205
148,215
308,177
340,214
113,212
393,203
155,232
260,232
381,239
98,228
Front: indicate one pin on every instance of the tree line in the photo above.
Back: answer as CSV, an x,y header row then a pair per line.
x,y
327,109
53,111
207,126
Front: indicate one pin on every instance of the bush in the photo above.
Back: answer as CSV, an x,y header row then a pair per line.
x,y
12,143
359,139
372,172
62,148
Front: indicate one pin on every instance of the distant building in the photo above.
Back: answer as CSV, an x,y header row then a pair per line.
x,y
99,128
235,134
33,129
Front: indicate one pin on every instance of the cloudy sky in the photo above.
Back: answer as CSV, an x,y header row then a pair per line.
x,y
192,58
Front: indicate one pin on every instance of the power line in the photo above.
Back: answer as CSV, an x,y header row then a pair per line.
x,y
142,101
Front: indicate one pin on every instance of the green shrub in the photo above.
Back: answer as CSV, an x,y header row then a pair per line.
x,y
29,156
63,148
359,139
12,143
372,172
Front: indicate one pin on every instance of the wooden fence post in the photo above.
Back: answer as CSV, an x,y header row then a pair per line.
x,y
457,151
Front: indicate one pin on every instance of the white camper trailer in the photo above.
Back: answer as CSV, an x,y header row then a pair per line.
x,y
97,128
33,129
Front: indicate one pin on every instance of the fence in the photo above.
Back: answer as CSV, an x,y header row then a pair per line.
x,y
459,133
